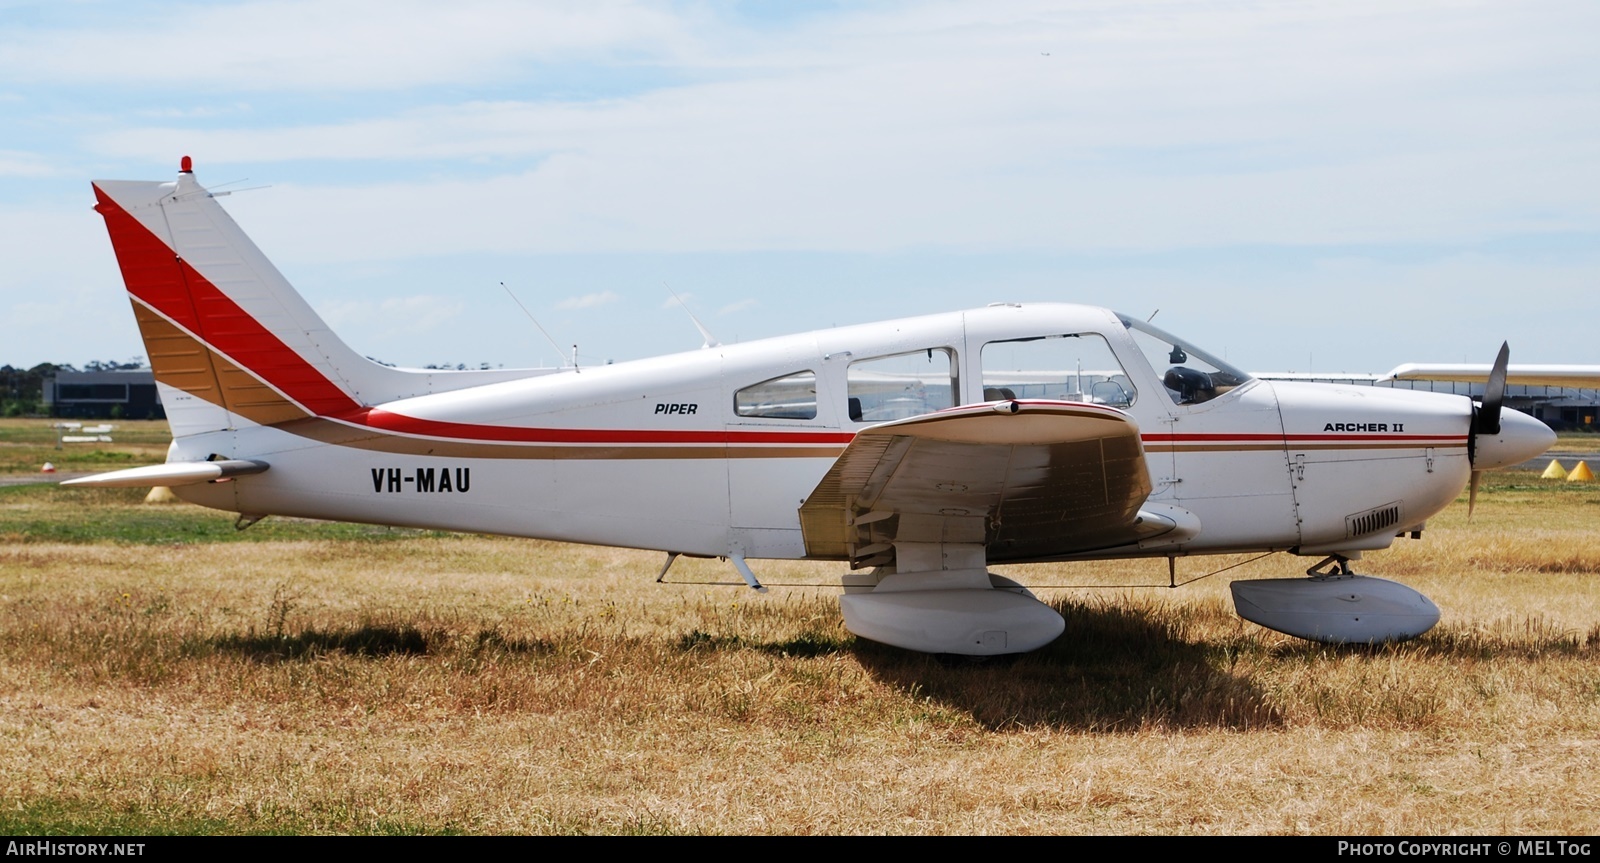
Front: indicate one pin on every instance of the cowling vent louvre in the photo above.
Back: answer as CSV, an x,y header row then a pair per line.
x,y
1375,520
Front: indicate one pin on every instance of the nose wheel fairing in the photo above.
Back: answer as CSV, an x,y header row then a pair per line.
x,y
1337,607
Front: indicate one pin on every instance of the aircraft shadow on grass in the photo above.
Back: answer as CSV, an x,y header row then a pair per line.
x,y
370,640
1123,669
1115,669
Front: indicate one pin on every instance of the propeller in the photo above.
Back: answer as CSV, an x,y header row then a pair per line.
x,y
1486,417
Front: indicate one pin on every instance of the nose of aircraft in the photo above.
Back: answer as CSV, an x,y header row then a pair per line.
x,y
1520,438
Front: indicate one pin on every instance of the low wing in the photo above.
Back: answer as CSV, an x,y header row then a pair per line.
x,y
1552,375
1574,375
1028,480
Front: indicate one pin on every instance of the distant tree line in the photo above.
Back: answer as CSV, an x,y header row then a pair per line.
x,y
22,390
460,367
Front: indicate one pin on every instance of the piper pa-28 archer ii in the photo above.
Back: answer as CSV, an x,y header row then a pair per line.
x,y
918,452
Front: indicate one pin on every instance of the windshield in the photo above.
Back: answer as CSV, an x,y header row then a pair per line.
x,y
1189,374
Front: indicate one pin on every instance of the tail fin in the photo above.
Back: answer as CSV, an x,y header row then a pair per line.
x,y
230,341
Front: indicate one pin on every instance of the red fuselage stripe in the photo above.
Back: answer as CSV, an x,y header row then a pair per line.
x,y
401,424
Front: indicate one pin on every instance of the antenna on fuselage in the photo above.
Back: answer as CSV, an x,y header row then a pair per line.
x,y
1152,316
710,340
216,191
541,329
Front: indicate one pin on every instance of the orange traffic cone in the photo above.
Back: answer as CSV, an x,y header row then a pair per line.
x,y
1580,473
1554,471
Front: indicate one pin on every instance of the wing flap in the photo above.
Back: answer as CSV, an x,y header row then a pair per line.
x,y
1034,478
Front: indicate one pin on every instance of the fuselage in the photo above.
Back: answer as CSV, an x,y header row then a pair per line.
x,y
712,452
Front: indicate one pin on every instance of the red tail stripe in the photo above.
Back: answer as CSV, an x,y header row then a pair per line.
x,y
186,297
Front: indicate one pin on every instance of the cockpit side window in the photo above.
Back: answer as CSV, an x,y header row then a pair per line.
x,y
790,397
1189,375
1074,367
901,385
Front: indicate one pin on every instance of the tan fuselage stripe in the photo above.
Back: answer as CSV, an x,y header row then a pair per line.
x,y
1278,447
339,434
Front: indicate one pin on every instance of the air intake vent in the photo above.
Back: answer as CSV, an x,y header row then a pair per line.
x,y
1372,521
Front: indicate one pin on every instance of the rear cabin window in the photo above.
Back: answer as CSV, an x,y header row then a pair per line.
x,y
1076,367
790,397
901,385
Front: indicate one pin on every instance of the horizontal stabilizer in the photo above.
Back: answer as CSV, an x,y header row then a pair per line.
x,y
171,474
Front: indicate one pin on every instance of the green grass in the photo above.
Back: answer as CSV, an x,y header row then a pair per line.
x,y
1576,441
46,512
71,817
25,446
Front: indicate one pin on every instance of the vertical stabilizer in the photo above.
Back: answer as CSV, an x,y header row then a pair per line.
x,y
230,341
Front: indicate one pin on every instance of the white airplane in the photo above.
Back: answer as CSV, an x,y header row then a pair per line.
x,y
917,452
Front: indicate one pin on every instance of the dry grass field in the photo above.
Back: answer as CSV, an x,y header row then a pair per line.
x,y
161,674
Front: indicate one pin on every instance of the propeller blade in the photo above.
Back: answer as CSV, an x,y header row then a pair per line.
x,y
1487,420
1486,416
1472,493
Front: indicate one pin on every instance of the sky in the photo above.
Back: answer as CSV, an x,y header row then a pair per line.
x,y
1295,186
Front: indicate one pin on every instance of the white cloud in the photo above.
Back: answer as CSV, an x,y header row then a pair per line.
x,y
61,294
209,113
739,306
588,301
386,319
1151,125
14,163
336,45
909,131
